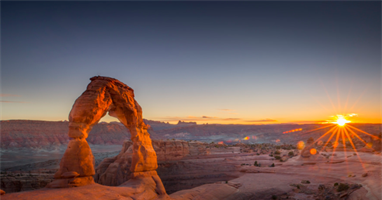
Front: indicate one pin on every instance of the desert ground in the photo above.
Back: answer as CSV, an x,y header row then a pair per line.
x,y
234,176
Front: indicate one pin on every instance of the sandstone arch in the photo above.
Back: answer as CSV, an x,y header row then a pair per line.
x,y
105,95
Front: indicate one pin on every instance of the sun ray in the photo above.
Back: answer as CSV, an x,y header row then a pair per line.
x,y
373,136
333,130
318,129
323,135
336,142
354,148
344,142
330,138
355,134
334,146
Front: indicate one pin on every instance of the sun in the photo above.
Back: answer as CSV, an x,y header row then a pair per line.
x,y
341,120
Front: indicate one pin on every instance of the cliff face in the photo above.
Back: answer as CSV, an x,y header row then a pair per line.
x,y
45,134
171,150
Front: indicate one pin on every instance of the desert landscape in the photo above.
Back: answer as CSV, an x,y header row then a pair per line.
x,y
249,168
191,100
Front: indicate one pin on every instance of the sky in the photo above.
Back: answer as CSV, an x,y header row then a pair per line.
x,y
208,62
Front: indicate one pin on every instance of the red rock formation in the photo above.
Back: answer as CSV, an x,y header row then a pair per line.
x,y
103,95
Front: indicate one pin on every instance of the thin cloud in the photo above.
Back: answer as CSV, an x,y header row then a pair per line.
x,y
231,119
310,122
9,95
263,120
208,117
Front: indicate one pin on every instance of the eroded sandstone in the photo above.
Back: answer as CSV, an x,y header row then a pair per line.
x,y
105,95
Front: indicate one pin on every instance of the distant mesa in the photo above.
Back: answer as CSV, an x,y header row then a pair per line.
x,y
186,123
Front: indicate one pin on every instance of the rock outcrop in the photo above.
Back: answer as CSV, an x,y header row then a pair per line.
x,y
105,95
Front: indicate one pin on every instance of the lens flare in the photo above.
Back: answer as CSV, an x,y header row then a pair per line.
x,y
300,145
313,151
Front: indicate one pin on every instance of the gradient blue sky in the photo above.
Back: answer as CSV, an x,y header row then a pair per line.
x,y
216,62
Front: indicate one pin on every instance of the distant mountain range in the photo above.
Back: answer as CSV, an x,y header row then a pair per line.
x,y
48,134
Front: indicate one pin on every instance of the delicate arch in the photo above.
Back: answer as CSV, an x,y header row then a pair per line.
x,y
104,94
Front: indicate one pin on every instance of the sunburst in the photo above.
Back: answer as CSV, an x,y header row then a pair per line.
x,y
341,130
341,120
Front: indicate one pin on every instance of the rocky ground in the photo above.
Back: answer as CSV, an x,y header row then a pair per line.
x,y
37,175
197,170
342,176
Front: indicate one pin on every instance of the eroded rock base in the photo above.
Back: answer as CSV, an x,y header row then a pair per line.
x,y
71,182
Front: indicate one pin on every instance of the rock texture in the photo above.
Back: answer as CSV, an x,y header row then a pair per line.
x,y
105,95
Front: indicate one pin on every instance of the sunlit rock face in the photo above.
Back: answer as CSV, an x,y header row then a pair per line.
x,y
104,95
